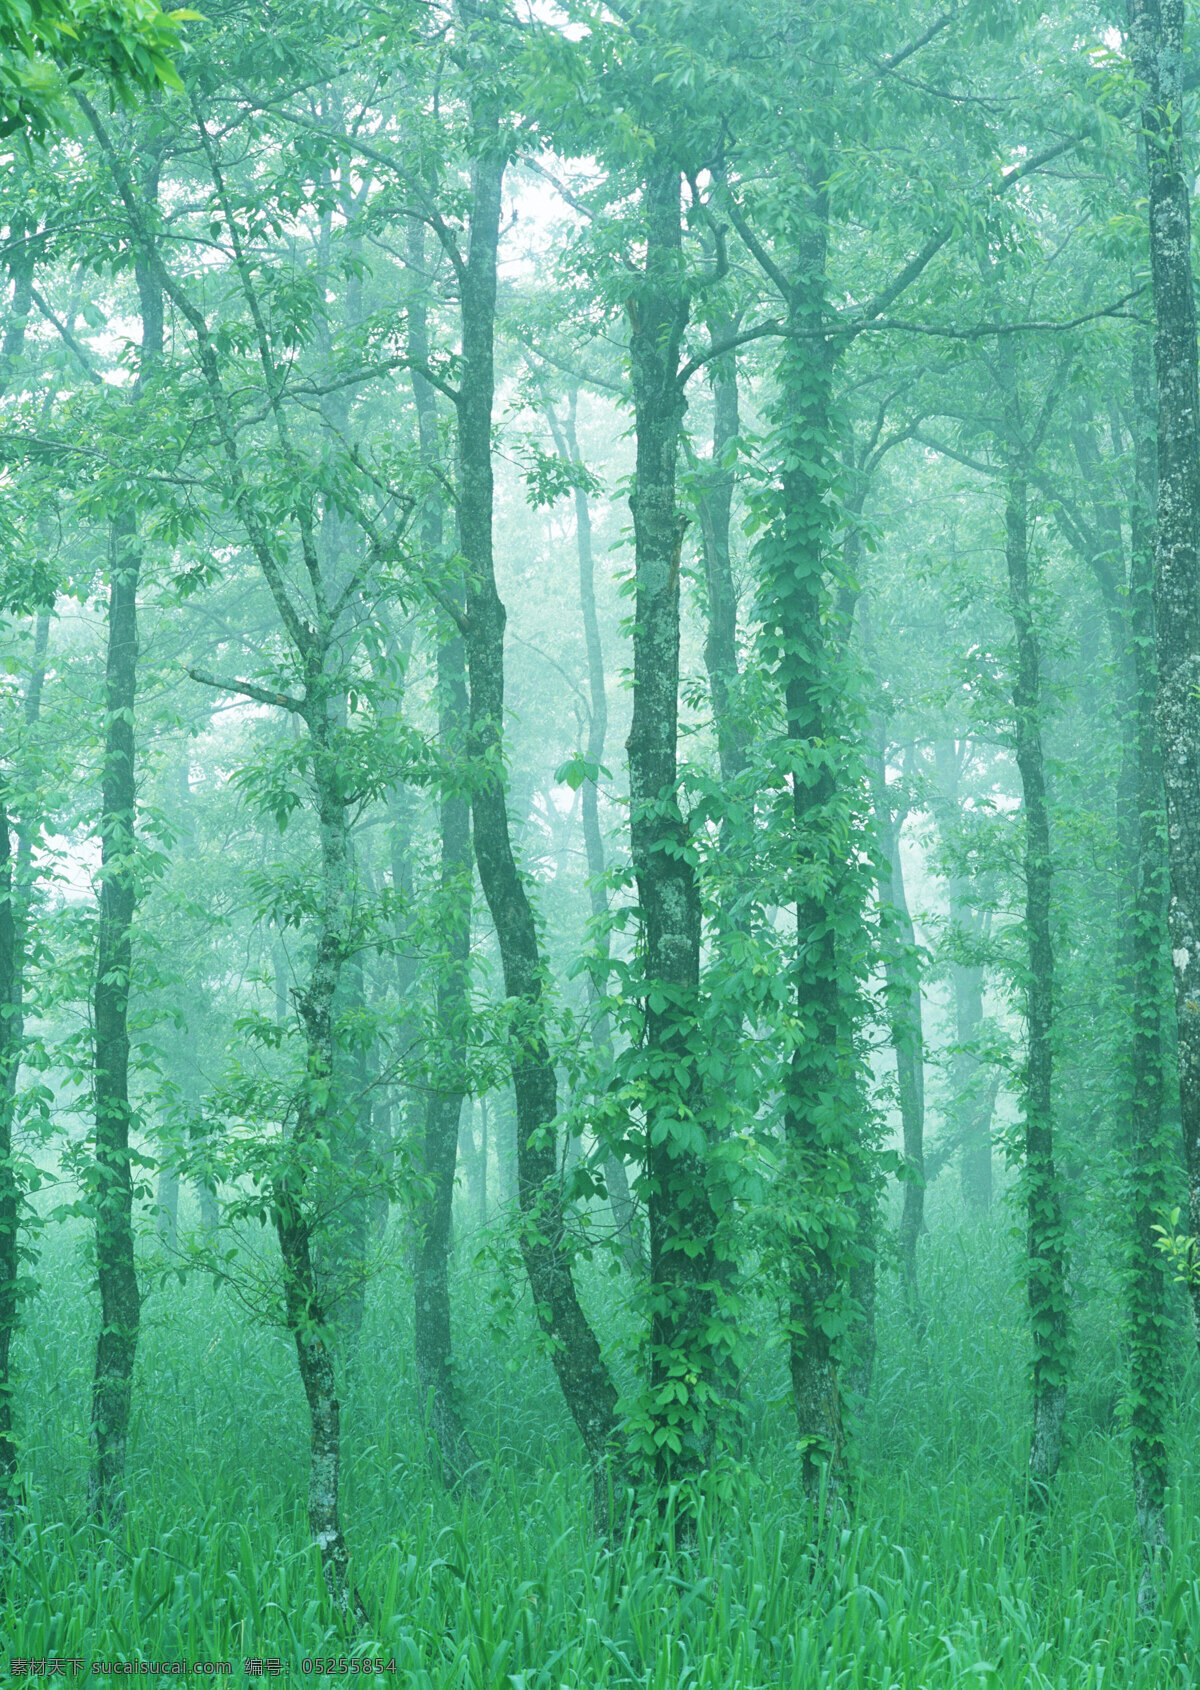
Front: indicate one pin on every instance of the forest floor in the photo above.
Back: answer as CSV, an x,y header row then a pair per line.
x,y
940,1582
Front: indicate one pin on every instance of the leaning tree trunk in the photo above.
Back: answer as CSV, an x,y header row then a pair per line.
x,y
1046,1230
120,1298
1156,39
575,1352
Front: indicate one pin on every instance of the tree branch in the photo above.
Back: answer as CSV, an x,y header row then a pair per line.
x,y
260,695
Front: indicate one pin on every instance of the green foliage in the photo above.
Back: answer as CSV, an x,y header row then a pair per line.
x,y
130,41
939,1585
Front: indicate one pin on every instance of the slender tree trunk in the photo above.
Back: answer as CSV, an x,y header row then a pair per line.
x,y
974,1097
341,1257
447,1085
715,505
1152,1172
1157,40
483,1160
586,1385
1046,1230
120,1298
439,1149
615,1175
10,1192
904,1011
682,1220
16,891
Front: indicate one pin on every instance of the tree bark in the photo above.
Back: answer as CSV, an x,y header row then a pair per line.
x,y
904,1014
297,1223
685,1362
715,504
1156,39
10,1191
439,1157
820,1112
447,1080
582,1374
1046,1230
120,1297
16,891
1152,1172
615,1176
973,1098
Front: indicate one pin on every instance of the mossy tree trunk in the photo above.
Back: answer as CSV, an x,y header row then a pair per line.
x,y
1046,1237
1157,43
685,1362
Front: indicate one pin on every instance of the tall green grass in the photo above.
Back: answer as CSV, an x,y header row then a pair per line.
x,y
941,1581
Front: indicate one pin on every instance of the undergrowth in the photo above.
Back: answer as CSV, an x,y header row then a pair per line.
x,y
941,1580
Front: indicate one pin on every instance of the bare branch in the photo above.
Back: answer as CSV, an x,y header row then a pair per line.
x,y
260,695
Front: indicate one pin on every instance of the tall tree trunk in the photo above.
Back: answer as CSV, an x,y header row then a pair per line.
x,y
439,1146
1156,39
615,1175
716,482
684,1361
120,1298
297,1223
1152,1171
10,1191
1046,1230
582,1374
16,891
447,1083
820,1112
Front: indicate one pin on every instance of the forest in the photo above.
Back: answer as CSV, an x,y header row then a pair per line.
x,y
600,843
